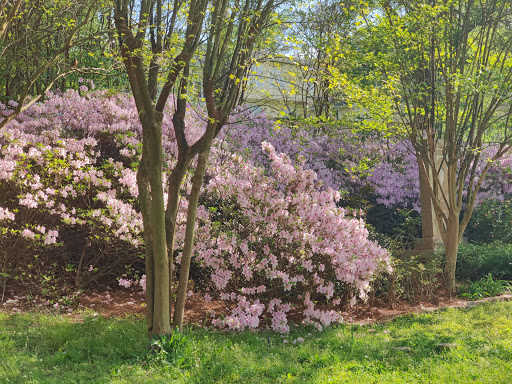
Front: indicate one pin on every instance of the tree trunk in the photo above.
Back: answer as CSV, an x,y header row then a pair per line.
x,y
197,183
451,244
149,178
145,202
149,175
173,201
161,317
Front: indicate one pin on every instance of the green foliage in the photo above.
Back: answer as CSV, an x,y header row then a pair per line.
x,y
491,221
475,261
409,230
36,348
176,350
31,42
414,278
394,229
485,287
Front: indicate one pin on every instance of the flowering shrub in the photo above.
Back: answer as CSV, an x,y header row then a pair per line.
x,y
67,198
272,239
340,159
277,240
396,178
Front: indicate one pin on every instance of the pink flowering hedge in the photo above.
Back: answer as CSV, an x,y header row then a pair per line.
x,y
396,179
279,241
67,211
270,240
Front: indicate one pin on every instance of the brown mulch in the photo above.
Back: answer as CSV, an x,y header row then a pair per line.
x,y
122,303
126,303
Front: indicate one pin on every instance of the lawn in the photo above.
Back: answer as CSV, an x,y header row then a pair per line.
x,y
51,348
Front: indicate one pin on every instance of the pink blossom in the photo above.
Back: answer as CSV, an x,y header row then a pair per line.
x,y
125,283
6,215
27,233
142,282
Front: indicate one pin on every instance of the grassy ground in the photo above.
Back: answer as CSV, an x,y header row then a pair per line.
x,y
36,348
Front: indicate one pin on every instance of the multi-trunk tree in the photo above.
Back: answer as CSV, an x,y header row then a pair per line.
x,y
450,65
216,39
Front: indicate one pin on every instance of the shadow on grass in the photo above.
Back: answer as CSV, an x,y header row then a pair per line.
x,y
48,349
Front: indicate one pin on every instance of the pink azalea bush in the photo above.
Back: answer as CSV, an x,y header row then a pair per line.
x,y
72,191
396,178
270,238
339,158
281,243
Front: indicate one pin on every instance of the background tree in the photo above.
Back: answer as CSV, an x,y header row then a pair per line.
x,y
36,47
450,67
315,37
324,34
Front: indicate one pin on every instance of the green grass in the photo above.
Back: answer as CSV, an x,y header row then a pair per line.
x,y
37,348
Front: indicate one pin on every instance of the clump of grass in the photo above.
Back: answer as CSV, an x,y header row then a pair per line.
x,y
485,287
176,349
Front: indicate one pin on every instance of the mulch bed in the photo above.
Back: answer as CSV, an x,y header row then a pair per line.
x,y
122,303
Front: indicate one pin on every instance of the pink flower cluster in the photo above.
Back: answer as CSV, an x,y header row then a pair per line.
x,y
282,237
125,283
396,178
48,238
5,214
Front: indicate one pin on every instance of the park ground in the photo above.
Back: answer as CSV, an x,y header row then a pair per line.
x,y
106,343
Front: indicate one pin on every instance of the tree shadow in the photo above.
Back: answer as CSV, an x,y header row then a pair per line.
x,y
52,350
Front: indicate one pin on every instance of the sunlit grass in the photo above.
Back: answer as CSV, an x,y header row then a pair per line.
x,y
37,348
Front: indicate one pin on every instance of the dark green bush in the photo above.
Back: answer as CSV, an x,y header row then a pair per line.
x,y
384,220
491,221
414,278
475,261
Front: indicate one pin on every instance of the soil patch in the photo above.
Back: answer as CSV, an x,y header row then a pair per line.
x,y
122,303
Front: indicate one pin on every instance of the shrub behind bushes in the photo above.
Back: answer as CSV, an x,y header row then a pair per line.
x,y
491,221
412,278
475,261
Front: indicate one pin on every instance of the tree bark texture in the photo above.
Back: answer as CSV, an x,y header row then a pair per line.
x,y
451,245
197,183
161,311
